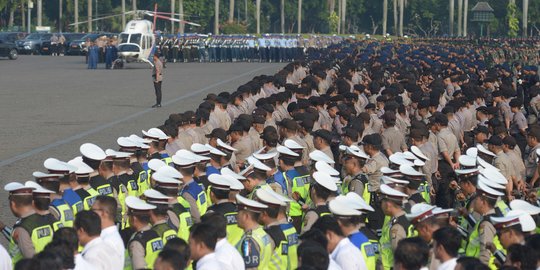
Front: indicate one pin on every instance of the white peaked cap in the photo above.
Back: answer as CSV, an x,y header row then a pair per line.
x,y
226,146
215,151
420,212
515,217
485,165
155,133
292,144
154,164
318,155
325,180
418,153
169,172
92,151
137,138
473,152
191,155
409,155
257,164
250,205
53,164
198,148
286,151
409,171
390,180
138,204
482,149
234,183
326,168
270,197
467,161
265,156
524,206
82,168
489,192
494,176
15,187
390,192
219,181
356,201
37,188
341,208
228,171
117,154
155,197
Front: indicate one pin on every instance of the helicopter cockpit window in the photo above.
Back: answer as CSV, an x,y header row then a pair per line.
x,y
135,38
123,38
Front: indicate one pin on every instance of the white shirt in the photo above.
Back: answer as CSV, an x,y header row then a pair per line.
x,y
332,265
81,263
348,256
228,256
209,262
5,259
448,265
102,255
113,238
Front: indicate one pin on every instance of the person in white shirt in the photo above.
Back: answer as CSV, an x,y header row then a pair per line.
x,y
341,250
446,243
226,254
411,253
202,243
98,253
105,207
5,259
170,259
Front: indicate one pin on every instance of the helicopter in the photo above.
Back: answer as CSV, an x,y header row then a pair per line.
x,y
137,42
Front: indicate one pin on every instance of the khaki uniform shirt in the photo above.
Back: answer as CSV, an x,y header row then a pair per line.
x,y
302,142
431,165
397,232
244,147
504,164
403,124
137,252
518,122
393,139
375,123
325,121
196,138
255,138
328,152
530,163
517,162
447,142
373,170
455,127
308,138
486,234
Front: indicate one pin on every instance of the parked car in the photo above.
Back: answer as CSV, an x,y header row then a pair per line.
x,y
78,46
32,43
7,45
70,37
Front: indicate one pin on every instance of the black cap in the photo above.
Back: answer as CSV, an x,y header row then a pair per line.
x,y
497,94
222,100
211,97
351,133
515,103
482,109
370,106
218,133
495,140
324,134
257,119
372,139
480,129
510,141
288,124
235,127
492,110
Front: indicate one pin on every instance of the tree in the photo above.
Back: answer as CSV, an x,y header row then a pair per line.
x,y
299,16
333,20
459,17
401,11
451,18
513,22
525,17
231,11
282,15
216,17
385,16
395,8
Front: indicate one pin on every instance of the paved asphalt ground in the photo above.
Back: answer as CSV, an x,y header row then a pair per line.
x,y
49,106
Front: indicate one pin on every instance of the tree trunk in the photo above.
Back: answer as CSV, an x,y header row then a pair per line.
x,y
60,7
465,15
340,7
11,17
395,7
343,17
173,9
401,11
525,16
299,16
459,17
134,5
258,15
181,11
451,17
331,6
23,16
216,17
123,13
246,11
231,11
282,11
89,9
39,12
385,16
76,14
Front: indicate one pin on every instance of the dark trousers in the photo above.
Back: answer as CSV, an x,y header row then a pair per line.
x,y
157,88
445,195
521,143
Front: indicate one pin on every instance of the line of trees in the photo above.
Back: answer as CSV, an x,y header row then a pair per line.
x,y
409,17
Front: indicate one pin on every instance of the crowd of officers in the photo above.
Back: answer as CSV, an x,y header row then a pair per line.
x,y
401,156
240,48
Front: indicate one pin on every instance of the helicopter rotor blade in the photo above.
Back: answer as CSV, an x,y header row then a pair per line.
x,y
101,18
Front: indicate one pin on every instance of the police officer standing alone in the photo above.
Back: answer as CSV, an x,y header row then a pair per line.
x,y
157,75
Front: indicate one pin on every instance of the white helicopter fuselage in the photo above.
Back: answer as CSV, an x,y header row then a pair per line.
x,y
136,42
